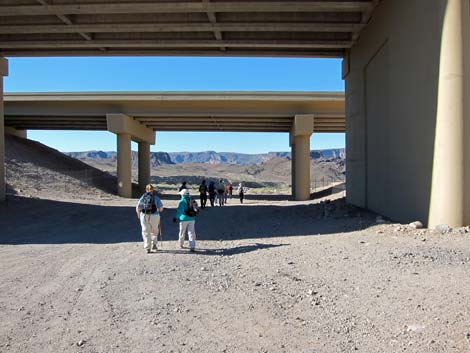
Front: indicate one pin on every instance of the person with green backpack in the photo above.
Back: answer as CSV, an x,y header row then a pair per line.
x,y
186,215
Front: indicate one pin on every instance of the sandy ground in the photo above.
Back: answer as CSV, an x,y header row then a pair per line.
x,y
268,276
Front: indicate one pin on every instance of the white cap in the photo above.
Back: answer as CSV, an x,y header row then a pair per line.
x,y
184,192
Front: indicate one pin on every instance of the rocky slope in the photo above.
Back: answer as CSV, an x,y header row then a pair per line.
x,y
36,169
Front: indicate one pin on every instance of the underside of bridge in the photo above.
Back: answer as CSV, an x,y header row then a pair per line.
x,y
178,27
406,66
136,116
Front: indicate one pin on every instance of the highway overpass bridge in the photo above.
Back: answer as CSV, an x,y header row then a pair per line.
x,y
406,64
136,116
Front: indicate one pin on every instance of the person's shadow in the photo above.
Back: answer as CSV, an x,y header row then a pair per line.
x,y
223,251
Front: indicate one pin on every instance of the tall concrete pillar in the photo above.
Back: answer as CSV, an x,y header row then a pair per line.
x,y
292,148
3,72
124,165
300,143
292,155
302,167
450,197
144,165
126,129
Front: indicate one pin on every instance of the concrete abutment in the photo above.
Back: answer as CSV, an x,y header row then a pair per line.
x,y
16,132
407,118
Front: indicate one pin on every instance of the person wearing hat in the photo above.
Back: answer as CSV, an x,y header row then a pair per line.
x,y
148,211
241,192
186,215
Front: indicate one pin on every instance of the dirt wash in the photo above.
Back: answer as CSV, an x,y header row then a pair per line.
x,y
276,276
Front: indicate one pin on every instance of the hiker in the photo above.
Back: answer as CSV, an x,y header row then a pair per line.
x,y
211,190
203,194
183,186
226,192
230,190
241,192
148,211
220,192
186,215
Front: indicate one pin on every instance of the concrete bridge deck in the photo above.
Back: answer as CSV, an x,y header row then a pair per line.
x,y
176,111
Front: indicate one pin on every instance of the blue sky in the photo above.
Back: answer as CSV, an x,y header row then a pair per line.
x,y
176,74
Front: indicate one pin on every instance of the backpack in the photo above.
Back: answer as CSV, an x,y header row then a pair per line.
x,y
191,209
148,201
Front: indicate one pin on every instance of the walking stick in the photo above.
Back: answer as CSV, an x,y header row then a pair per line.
x,y
161,234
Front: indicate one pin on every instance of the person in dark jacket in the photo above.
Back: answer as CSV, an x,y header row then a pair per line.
x,y
183,186
203,194
241,192
220,192
211,190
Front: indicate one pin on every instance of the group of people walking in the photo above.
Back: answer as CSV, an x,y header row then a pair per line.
x,y
218,193
149,206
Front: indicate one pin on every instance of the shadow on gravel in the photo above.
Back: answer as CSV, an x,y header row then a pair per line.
x,y
221,251
39,221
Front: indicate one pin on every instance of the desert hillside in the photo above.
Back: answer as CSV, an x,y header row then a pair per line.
x,y
35,169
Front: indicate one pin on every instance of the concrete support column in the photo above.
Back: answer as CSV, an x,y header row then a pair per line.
x,y
126,129
450,198
300,144
302,167
124,165
292,148
144,165
3,72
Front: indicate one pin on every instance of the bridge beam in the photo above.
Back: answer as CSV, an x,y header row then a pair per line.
x,y
300,134
128,129
3,72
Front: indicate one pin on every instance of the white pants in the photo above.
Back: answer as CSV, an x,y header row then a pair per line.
x,y
189,226
149,223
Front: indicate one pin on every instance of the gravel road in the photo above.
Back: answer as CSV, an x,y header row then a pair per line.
x,y
273,276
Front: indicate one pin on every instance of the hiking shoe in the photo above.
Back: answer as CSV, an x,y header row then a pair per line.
x,y
148,251
154,246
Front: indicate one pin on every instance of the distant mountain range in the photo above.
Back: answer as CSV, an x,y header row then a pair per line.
x,y
211,157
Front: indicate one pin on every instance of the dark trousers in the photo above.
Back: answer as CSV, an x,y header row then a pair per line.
x,y
212,198
203,198
241,197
